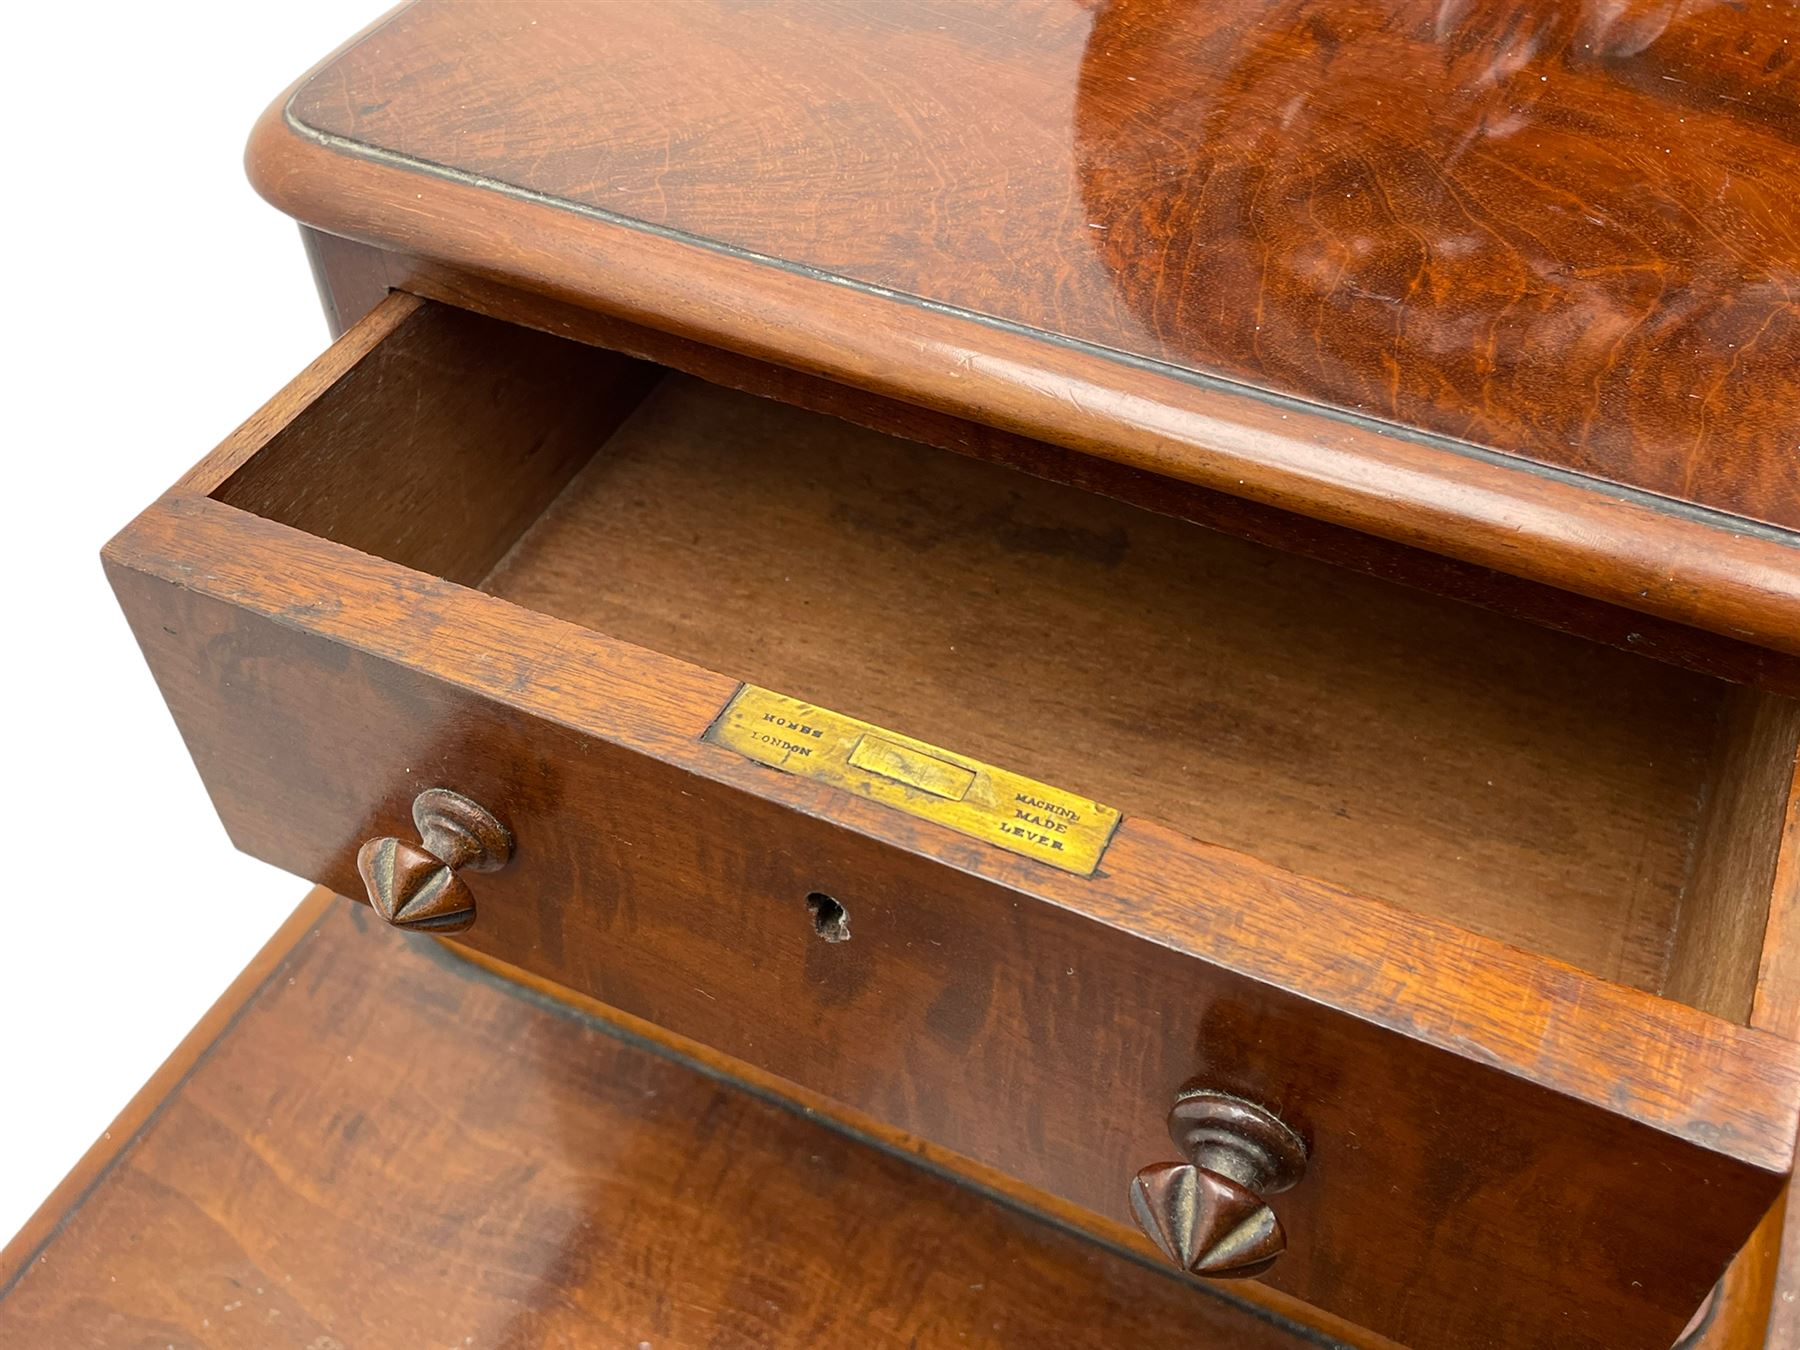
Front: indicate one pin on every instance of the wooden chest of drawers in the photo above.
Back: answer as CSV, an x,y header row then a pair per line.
x,y
1000,567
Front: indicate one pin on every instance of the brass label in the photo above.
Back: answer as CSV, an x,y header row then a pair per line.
x,y
1018,813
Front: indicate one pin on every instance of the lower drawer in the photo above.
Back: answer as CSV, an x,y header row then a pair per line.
x,y
461,554
429,1146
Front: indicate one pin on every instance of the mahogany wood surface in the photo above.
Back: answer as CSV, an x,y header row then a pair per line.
x,y
1739,1318
1478,1118
1526,306
419,885
1777,1008
1122,1234
1535,788
377,1144
556,396
141,1188
1737,852
355,277
1527,785
1759,1300
41,1228
1506,283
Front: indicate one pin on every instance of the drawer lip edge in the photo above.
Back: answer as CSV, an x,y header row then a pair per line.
x,y
191,541
1702,567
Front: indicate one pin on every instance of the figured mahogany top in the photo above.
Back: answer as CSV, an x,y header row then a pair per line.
x,y
1556,236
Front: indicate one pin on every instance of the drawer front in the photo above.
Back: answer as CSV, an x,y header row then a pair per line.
x,y
1502,1151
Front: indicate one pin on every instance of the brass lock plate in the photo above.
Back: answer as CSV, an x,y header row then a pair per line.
x,y
1016,813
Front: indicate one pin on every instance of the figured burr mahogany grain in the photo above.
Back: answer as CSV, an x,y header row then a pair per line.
x,y
1492,299
1508,282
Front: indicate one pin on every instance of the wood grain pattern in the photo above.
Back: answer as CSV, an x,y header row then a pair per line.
x,y
1532,787
1119,1235
427,410
1194,242
1231,188
357,276
1739,1319
1760,1298
1726,903
1777,1005
1548,342
1517,1106
1777,1008
384,1146
42,1227
1553,1095
1747,1306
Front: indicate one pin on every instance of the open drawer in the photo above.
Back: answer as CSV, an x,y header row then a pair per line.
x,y
1478,913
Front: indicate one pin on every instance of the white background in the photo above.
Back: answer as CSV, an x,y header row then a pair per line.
x,y
152,302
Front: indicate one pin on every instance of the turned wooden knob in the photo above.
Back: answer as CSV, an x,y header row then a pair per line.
x,y
1208,1214
416,885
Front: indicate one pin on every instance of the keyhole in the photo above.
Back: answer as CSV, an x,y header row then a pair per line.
x,y
831,920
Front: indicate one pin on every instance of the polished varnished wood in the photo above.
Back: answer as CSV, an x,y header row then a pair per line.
x,y
1476,1116
1209,1211
41,1228
1541,253
353,278
1538,789
1737,1318
1533,787
377,1144
421,886
1121,1235
1475,221
1488,299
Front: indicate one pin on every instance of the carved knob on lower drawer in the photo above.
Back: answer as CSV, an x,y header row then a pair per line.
x,y
1208,1214
416,885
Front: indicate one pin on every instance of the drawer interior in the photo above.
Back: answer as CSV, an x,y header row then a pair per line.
x,y
1578,801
